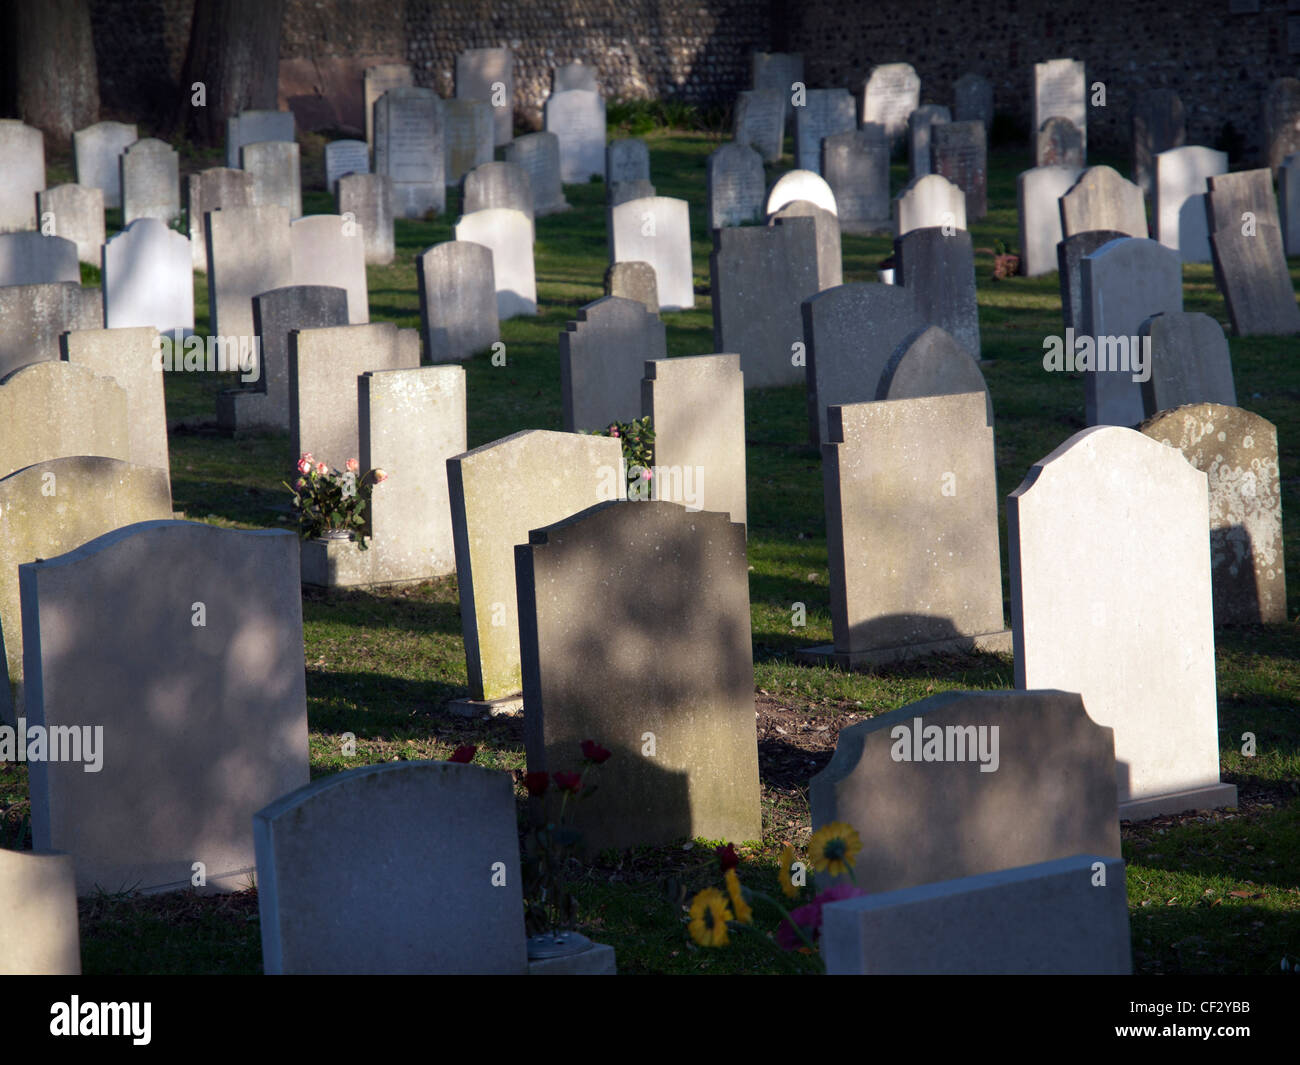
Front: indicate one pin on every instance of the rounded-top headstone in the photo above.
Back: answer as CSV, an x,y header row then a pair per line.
x,y
497,185
930,362
634,281
801,185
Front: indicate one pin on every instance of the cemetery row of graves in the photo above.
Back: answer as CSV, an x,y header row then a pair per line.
x,y
976,633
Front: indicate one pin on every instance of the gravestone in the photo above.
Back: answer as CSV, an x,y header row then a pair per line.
x,y
253,127
265,405
408,134
93,621
696,404
54,410
368,198
576,75
656,230
499,492
1074,588
211,190
151,183
851,332
324,249
1159,125
277,177
57,505
487,74
458,300
1237,451
911,531
1070,254
1288,201
778,72
538,154
75,213
1045,919
342,158
324,365
929,362
1059,143
577,118
1190,362
33,316
30,258
958,151
1037,193
497,185
760,121
1124,283
1179,181
930,788
856,167
635,281
677,581
929,201
797,185
127,357
394,827
972,100
1101,199
830,258
940,271
1230,197
22,160
249,251
39,935
1281,119
627,159
376,81
97,150
892,92
508,234
468,129
759,276
735,186
1251,272
918,136
148,279
602,355
824,113
623,191
1060,90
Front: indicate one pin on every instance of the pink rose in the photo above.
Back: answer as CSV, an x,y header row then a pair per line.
x,y
304,466
322,469
645,473
353,465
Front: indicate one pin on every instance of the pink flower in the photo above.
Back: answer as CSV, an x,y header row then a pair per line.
x,y
645,473
304,466
322,469
353,465
380,476
809,916
613,431
301,484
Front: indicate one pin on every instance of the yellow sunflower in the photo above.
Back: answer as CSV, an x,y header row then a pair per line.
x,y
833,848
709,917
744,912
786,875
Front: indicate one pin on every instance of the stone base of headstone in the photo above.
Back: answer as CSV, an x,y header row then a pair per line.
x,y
1210,797
503,706
342,564
826,655
596,960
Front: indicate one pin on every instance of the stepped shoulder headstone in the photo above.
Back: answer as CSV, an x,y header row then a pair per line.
x,y
97,150
458,300
1102,199
602,355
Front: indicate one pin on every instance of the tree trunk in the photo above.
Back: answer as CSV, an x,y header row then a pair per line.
x,y
49,52
234,52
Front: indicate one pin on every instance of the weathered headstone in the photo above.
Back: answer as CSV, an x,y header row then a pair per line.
x,y
538,154
929,201
148,279
1251,271
930,362
778,72
1110,597
75,213
627,159
1237,451
508,234
499,492
656,230
972,100
911,531
1179,182
368,198
93,621
376,81
1281,115
458,300
29,257
826,226
33,316
276,173
696,404
577,118
151,183
39,935
801,185
623,191
249,251
959,152
1159,125
211,190
1070,254
409,149
577,75
602,356
393,827
677,581
939,269
467,136
1059,143
851,332
252,127
342,158
918,136
1060,89
1239,199
892,92
22,161
760,121
497,185
856,167
97,149
635,281
824,113
1190,362
1037,194
487,74
54,410
735,186
325,249
1101,199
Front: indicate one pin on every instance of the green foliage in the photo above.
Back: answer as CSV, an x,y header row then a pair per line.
x,y
638,440
636,118
326,500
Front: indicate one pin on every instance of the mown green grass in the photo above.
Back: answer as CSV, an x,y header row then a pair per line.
x,y
1218,894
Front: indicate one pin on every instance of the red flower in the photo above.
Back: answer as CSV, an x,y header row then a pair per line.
x,y
594,752
464,753
304,465
809,916
537,783
727,856
569,782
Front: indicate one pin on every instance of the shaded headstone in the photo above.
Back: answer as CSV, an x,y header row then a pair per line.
x,y
959,152
467,129
677,581
918,136
55,410
1110,597
824,113
939,270
251,127
93,621
22,161
929,362
147,278
623,191
376,81
1037,194
33,316
75,213
696,404
1190,362
458,300
778,72
368,198
830,257
1230,197
497,185
656,230
577,118
538,154
1070,254
39,935
1159,125
325,249
1179,181
487,74
1059,143
151,183
276,173
735,186
602,356
29,257
577,75
760,121
801,185
1102,199
627,159
892,92
1251,272
499,492
211,190
249,251
1237,451
508,234
851,332
342,158
634,281
1288,203
972,100
856,167
1281,120
409,149
929,201
1060,90
97,149
395,828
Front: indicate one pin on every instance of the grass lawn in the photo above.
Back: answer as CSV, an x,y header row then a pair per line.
x,y
1208,893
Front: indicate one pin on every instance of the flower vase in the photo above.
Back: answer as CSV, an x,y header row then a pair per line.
x,y
336,534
